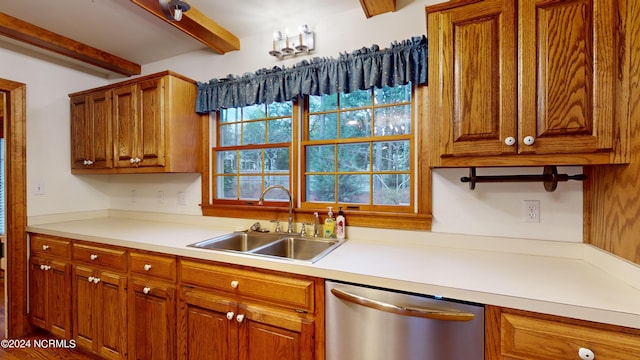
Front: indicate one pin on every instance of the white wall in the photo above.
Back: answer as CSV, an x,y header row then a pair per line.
x,y
492,209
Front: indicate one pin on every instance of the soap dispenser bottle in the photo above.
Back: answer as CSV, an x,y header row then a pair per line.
x,y
329,224
340,223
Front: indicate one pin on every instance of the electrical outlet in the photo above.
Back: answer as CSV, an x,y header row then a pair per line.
x,y
38,189
531,211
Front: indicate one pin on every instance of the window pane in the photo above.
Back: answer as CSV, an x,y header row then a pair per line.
x,y
323,126
393,120
353,157
254,112
229,134
392,95
279,131
321,188
353,189
278,109
391,156
355,124
323,103
250,187
227,187
230,115
320,158
276,160
276,194
250,161
360,98
253,133
226,162
391,189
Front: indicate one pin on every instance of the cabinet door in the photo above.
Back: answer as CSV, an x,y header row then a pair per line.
x,y
567,67
111,314
207,327
124,125
472,69
84,305
152,321
38,292
151,137
80,132
267,334
91,131
59,299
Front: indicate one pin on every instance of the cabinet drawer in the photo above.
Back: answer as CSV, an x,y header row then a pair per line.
x,y
523,336
50,245
152,265
110,257
284,290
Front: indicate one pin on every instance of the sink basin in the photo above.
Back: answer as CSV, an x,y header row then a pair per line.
x,y
297,248
238,241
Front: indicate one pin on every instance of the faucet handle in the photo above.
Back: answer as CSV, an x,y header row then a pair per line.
x,y
303,232
277,229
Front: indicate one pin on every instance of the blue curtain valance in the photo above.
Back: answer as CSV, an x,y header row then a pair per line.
x,y
400,64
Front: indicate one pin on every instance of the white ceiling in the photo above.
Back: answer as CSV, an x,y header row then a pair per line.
x,y
123,29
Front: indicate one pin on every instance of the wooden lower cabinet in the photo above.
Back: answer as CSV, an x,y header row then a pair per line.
x,y
100,311
214,326
50,295
519,335
152,320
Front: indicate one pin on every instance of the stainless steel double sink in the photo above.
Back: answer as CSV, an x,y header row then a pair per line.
x,y
275,245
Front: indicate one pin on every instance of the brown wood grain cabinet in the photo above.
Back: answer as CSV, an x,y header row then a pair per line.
x,y
231,312
152,304
514,334
523,83
99,293
50,285
143,125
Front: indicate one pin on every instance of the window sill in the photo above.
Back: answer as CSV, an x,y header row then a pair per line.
x,y
400,221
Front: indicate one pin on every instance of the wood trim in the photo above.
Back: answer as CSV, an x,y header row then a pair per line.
x,y
198,26
377,7
16,208
45,39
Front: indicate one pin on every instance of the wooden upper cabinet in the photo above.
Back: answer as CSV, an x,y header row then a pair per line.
x,y
523,83
91,131
153,126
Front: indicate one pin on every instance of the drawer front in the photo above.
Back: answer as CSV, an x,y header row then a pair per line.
x,y
526,337
152,265
50,245
283,290
113,258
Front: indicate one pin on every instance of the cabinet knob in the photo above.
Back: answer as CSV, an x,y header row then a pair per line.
x,y
45,267
240,318
93,256
234,284
510,141
96,280
45,247
147,267
529,140
230,315
90,278
586,354
87,162
146,290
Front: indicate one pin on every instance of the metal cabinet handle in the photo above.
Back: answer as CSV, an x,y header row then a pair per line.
x,y
403,310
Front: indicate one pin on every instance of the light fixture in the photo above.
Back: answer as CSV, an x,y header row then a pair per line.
x,y
173,9
292,45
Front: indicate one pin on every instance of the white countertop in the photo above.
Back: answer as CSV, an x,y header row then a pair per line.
x,y
589,284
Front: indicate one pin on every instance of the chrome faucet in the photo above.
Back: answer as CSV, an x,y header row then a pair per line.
x,y
316,225
269,188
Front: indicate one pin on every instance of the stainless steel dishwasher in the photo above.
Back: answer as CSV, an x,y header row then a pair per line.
x,y
366,323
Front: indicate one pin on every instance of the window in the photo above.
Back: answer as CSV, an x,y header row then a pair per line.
x,y
358,151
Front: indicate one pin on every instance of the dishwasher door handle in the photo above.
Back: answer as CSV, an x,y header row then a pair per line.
x,y
403,310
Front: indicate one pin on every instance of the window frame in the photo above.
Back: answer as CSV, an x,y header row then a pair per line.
x,y
418,219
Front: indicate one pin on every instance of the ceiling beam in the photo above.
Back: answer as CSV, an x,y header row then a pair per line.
x,y
28,33
377,7
197,25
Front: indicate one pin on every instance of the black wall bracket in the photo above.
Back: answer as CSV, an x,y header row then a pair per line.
x,y
549,178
